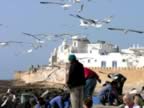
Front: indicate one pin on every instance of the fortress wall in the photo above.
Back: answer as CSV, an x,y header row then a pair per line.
x,y
135,76
51,76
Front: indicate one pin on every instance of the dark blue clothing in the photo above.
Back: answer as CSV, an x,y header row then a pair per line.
x,y
105,90
89,87
106,94
47,104
58,101
37,106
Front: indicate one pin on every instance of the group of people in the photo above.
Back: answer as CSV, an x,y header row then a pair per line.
x,y
31,99
81,82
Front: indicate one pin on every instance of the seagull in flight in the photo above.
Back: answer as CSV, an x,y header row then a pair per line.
x,y
63,5
38,40
56,37
86,22
107,19
125,30
76,1
3,44
29,50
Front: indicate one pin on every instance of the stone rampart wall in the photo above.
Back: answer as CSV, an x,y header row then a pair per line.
x,y
135,76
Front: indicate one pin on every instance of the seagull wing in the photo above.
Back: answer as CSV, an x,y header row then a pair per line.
x,y
87,20
19,42
119,29
27,51
137,31
66,6
92,21
52,3
107,19
78,16
31,35
13,42
2,44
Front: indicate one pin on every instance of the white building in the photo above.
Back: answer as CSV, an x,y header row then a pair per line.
x,y
99,54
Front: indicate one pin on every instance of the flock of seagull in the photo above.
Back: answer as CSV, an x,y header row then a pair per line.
x,y
40,39
87,22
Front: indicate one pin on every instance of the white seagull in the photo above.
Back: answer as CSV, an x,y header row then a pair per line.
x,y
38,40
63,5
56,37
29,50
6,43
107,19
76,1
85,22
125,30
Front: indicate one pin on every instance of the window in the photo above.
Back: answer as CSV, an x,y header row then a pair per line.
x,y
114,63
88,61
103,64
123,60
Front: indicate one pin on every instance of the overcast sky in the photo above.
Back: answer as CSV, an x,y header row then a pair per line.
x,y
30,16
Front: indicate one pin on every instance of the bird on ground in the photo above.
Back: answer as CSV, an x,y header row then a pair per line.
x,y
86,22
63,5
125,30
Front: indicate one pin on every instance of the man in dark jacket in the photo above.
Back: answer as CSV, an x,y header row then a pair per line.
x,y
75,82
